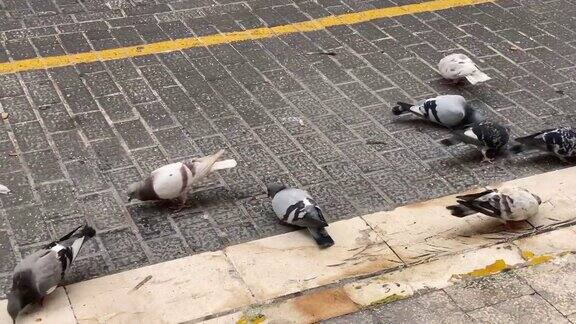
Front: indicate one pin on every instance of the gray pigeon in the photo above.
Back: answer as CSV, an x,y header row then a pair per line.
x,y
451,111
295,206
508,204
560,141
490,137
176,179
40,273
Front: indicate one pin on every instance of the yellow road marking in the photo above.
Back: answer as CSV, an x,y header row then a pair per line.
x,y
257,33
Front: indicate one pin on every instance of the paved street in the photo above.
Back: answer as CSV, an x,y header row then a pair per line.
x,y
527,295
296,108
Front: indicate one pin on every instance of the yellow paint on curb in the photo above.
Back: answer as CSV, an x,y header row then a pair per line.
x,y
490,269
257,33
535,259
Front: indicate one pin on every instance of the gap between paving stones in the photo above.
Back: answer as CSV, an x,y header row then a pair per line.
x,y
276,271
250,34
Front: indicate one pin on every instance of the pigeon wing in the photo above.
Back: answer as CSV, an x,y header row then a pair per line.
x,y
475,196
490,207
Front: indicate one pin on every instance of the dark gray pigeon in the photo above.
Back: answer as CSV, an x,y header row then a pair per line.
x,y
490,137
176,179
295,206
40,273
450,111
507,204
560,141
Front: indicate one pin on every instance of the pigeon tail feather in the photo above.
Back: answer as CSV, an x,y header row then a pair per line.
x,y
477,77
226,164
400,108
460,211
86,232
321,237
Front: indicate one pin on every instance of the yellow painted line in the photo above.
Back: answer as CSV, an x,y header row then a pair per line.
x,y
257,33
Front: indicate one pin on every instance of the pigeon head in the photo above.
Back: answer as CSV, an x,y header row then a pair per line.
x,y
22,294
134,190
15,305
274,188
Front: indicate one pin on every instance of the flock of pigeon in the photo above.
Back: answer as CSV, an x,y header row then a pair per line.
x,y
39,273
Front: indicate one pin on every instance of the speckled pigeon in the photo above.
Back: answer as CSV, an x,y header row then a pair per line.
x,y
451,111
176,179
295,206
559,141
507,204
490,137
458,66
39,273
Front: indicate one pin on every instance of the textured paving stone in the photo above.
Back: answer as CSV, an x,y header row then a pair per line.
x,y
488,291
296,108
435,307
529,308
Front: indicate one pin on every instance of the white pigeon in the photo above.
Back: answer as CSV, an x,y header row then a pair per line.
x,y
296,206
39,273
4,190
457,66
176,179
450,111
507,204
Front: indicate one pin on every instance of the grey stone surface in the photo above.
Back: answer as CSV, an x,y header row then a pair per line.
x,y
555,282
526,309
488,291
296,108
434,307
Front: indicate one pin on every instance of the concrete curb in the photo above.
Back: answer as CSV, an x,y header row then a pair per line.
x,y
377,258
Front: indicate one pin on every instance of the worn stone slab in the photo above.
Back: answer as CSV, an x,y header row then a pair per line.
x,y
554,242
474,294
435,307
292,262
427,230
525,309
434,275
56,309
555,281
176,291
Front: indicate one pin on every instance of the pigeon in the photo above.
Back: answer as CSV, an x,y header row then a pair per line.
x,y
295,206
451,111
39,273
508,204
457,66
560,142
176,179
4,190
490,137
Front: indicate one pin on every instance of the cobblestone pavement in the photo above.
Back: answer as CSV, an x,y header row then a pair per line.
x,y
527,295
296,108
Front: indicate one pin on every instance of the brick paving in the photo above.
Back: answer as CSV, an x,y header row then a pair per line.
x,y
296,108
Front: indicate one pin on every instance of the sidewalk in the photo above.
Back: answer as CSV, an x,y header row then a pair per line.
x,y
377,259
295,103
545,293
